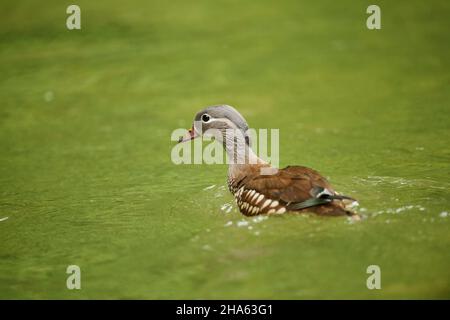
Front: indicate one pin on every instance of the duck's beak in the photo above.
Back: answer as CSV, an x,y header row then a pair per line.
x,y
190,135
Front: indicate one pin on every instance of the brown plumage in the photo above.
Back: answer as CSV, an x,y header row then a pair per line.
x,y
294,188
281,192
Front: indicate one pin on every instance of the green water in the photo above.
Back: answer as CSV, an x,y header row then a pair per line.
x,y
86,176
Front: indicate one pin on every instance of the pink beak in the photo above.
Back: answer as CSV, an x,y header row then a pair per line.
x,y
190,135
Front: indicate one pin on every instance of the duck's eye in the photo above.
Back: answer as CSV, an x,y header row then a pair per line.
x,y
205,118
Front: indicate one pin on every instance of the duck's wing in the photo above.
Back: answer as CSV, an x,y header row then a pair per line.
x,y
291,184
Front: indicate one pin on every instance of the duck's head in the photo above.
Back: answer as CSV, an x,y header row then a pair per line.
x,y
217,121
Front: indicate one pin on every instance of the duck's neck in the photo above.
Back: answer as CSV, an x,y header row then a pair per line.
x,y
241,156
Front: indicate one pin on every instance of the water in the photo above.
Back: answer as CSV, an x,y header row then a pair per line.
x,y
86,176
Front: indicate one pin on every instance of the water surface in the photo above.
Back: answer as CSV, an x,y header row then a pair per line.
x,y
85,170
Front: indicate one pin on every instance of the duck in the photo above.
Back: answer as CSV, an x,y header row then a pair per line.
x,y
259,188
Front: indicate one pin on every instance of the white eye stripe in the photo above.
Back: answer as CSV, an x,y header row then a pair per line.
x,y
227,121
230,125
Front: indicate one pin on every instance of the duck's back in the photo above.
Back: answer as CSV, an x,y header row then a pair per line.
x,y
294,188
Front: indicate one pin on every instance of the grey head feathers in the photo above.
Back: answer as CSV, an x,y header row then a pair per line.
x,y
224,111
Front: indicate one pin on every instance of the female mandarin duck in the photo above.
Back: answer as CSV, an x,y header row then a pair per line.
x,y
257,187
